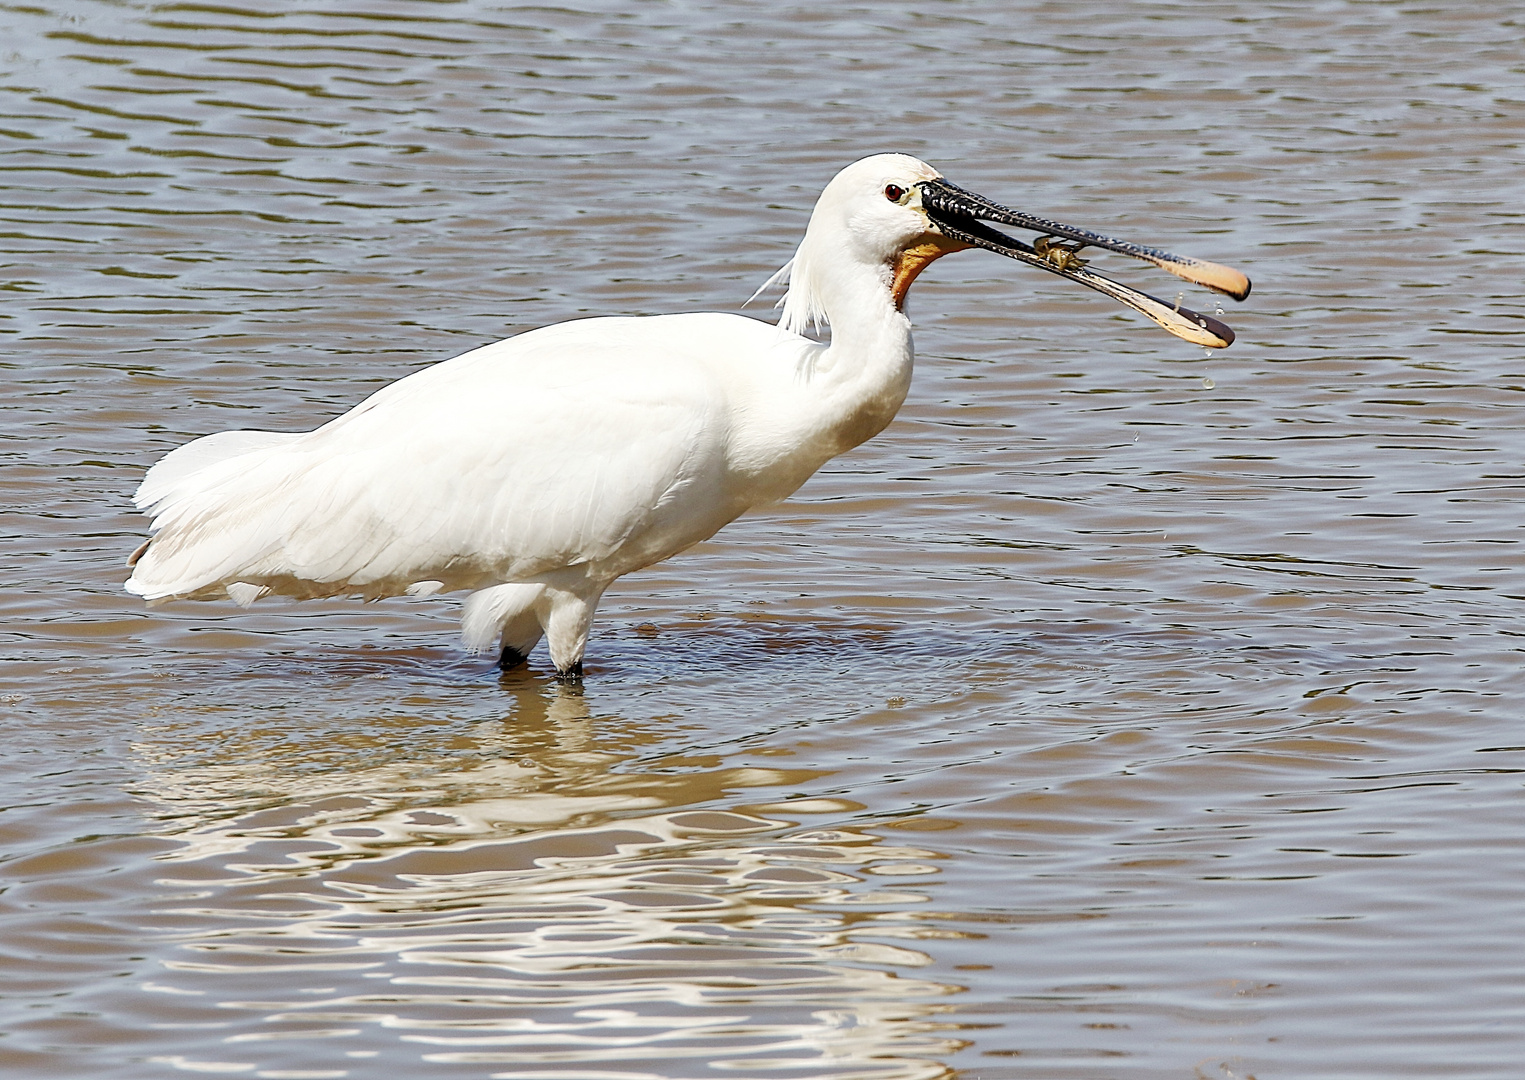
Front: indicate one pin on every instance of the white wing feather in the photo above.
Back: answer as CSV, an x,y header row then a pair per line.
x,y
173,472
487,468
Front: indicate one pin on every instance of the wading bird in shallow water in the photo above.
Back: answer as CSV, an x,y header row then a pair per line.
x,y
539,469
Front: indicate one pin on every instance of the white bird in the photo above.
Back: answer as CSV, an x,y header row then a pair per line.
x,y
538,469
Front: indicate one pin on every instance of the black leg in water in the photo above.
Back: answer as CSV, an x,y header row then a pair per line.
x,y
510,658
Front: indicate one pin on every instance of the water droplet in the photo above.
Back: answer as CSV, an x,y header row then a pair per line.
x,y
1208,384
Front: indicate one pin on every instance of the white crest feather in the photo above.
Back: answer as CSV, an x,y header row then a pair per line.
x,y
804,307
781,275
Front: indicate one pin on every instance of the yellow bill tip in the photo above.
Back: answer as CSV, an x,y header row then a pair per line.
x,y
1215,276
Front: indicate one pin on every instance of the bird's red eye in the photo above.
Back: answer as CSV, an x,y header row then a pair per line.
x,y
894,192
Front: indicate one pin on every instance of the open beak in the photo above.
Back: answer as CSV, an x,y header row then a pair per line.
x,y
962,215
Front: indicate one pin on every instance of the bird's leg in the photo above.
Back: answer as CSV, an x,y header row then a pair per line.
x,y
566,617
503,615
521,634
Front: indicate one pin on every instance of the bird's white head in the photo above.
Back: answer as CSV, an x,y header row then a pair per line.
x,y
869,218
883,219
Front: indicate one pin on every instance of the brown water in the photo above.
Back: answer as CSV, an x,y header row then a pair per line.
x,y
1118,713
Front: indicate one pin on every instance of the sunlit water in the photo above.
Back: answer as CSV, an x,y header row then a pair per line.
x,y
1120,712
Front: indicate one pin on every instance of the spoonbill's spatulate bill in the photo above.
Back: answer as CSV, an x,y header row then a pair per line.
x,y
537,470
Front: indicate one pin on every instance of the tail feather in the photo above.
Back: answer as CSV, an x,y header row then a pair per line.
x,y
174,472
170,488
299,518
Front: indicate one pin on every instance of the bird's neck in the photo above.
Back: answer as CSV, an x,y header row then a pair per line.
x,y
862,376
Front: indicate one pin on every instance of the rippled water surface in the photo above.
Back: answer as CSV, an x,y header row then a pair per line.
x,y
1120,712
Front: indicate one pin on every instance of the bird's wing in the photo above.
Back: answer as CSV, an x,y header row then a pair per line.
x,y
561,447
177,467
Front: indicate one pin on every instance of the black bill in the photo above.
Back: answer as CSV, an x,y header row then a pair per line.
x,y
962,215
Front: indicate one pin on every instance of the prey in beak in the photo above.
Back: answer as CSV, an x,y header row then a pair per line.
x,y
962,217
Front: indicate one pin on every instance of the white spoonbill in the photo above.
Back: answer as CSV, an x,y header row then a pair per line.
x,y
538,469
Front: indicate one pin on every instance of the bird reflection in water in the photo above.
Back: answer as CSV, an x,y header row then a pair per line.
x,y
556,903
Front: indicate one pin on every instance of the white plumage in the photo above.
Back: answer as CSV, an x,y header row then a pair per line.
x,y
539,469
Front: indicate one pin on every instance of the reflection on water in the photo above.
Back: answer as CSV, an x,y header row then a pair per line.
x,y
538,908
